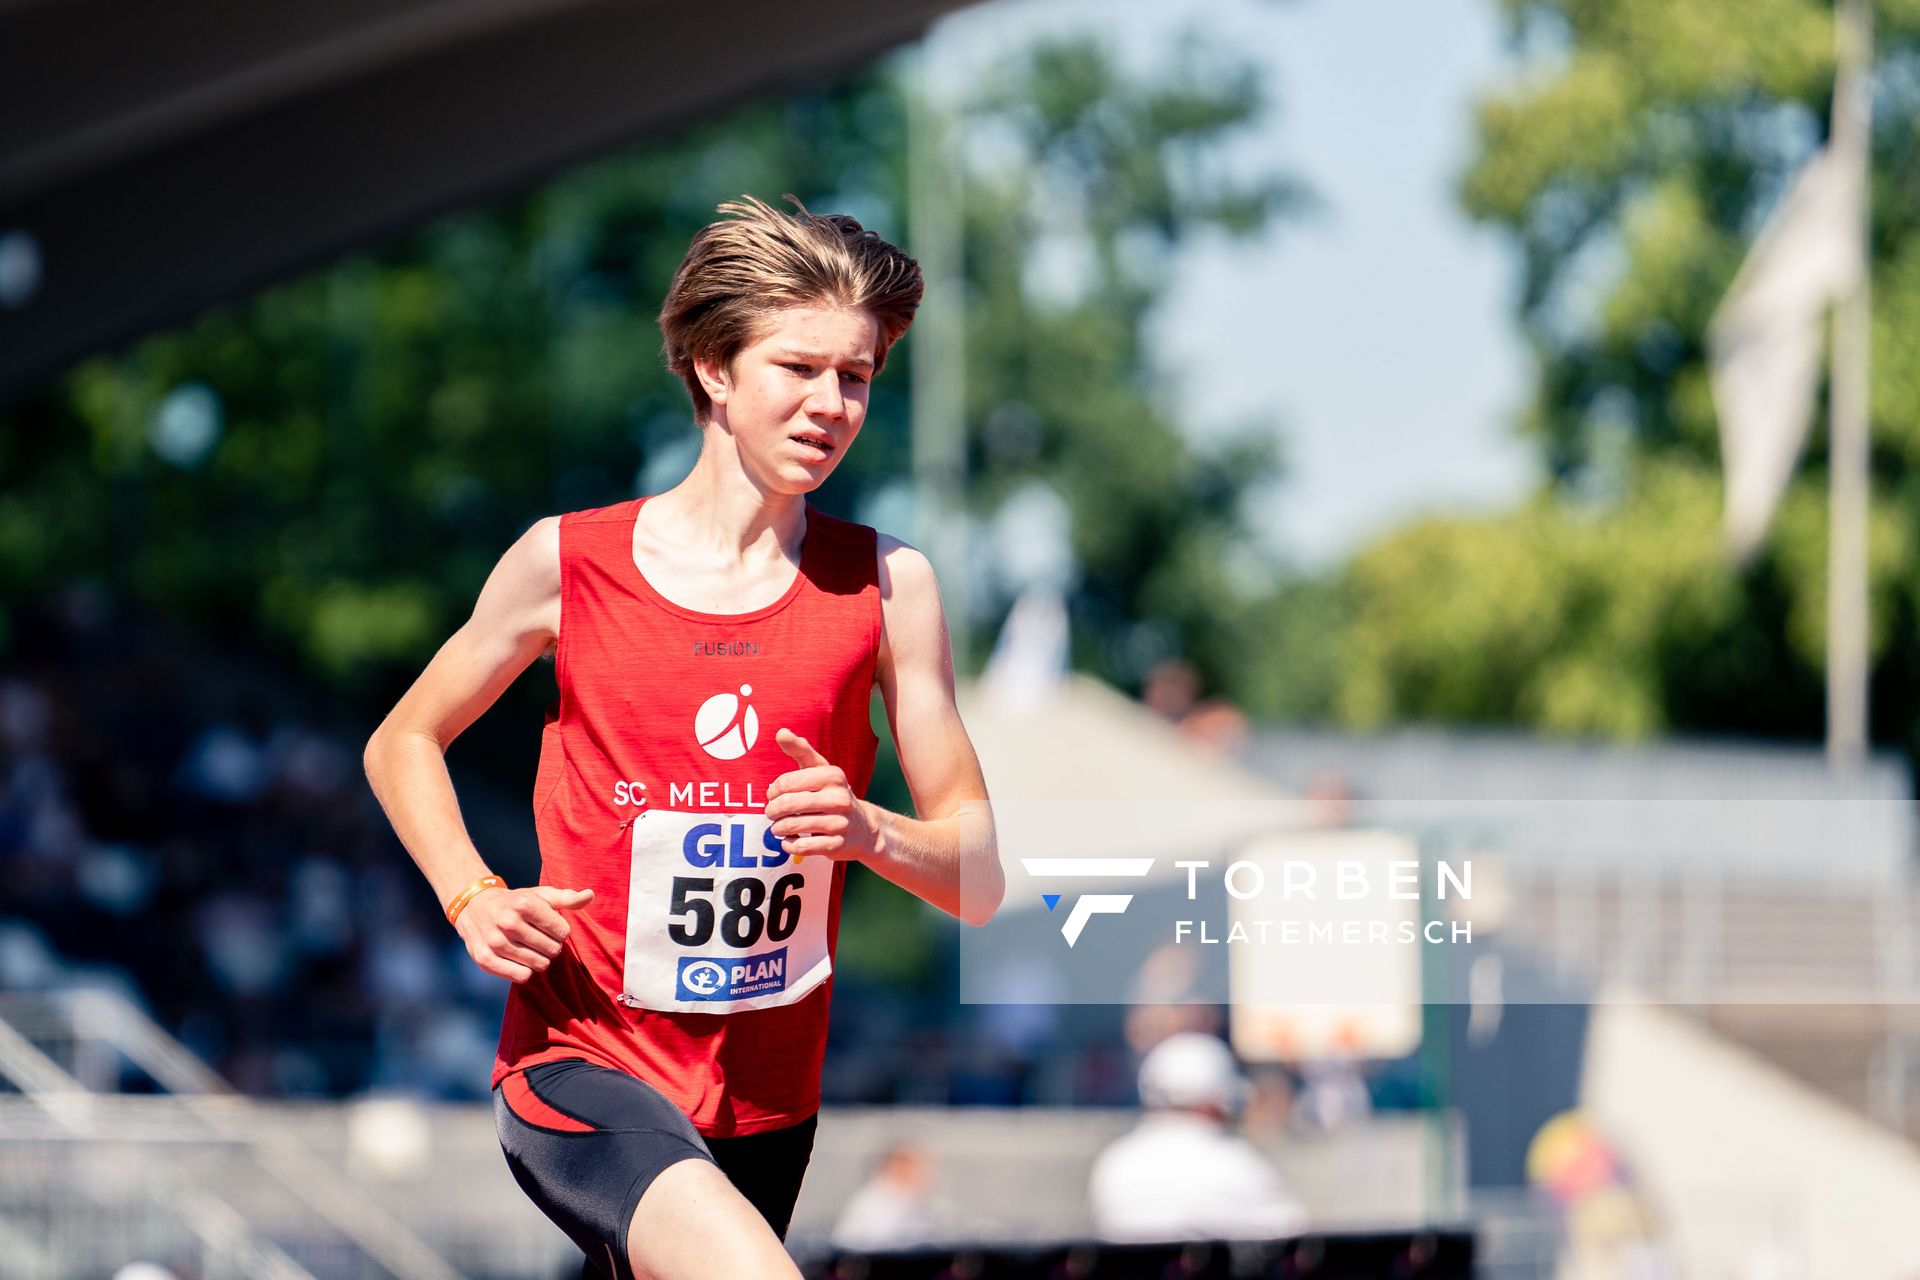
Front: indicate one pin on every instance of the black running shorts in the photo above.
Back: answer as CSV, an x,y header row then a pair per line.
x,y
585,1142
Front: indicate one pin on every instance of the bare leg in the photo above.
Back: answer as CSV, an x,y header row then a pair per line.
x,y
693,1225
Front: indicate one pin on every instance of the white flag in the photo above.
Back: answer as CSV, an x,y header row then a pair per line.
x,y
1765,340
1028,666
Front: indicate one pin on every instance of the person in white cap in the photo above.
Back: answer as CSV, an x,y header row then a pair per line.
x,y
1181,1173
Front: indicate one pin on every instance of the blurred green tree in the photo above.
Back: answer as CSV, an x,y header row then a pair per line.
x,y
1631,164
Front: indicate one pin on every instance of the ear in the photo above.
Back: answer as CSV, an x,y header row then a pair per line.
x,y
715,378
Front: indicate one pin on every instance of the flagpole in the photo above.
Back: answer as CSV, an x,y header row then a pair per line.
x,y
938,414
1847,616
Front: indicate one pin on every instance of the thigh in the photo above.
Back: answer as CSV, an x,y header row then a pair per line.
x,y
693,1224
768,1168
585,1143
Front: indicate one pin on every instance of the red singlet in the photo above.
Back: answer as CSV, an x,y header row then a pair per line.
x,y
704,963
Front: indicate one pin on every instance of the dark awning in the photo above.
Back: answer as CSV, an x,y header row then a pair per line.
x,y
156,156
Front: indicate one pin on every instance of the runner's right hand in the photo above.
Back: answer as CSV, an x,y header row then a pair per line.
x,y
513,932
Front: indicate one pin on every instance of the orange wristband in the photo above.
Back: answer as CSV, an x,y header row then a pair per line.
x,y
471,892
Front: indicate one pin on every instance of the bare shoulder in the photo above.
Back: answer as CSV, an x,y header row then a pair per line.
x,y
523,591
912,624
535,556
904,568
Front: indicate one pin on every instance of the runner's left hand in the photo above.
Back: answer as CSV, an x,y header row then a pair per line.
x,y
813,809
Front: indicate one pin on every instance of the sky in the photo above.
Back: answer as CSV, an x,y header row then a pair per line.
x,y
1378,332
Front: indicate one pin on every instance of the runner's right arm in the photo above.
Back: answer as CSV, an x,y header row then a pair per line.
x,y
510,932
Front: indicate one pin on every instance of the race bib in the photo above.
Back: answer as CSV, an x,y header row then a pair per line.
x,y
719,918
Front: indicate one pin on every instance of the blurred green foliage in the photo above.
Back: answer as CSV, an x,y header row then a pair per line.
x,y
1631,164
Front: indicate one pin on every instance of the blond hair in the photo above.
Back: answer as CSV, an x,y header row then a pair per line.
x,y
745,267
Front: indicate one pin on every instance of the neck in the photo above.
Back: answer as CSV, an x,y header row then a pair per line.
x,y
722,508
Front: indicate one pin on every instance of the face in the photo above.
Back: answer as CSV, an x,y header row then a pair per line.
x,y
796,396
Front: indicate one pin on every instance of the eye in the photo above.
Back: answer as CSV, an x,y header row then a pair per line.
x,y
855,378
802,369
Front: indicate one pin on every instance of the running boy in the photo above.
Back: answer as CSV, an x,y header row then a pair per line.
x,y
700,780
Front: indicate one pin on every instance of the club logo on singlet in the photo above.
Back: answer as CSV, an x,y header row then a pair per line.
x,y
727,725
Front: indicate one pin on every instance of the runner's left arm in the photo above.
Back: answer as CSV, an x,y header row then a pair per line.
x,y
948,855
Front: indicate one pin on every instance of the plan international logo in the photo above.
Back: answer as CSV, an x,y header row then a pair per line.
x,y
731,977
1087,905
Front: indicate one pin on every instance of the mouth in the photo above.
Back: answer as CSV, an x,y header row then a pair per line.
x,y
817,446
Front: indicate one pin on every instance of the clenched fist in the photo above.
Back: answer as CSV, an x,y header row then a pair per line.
x,y
513,932
813,808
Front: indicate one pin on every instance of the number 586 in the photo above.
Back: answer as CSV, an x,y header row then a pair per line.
x,y
750,910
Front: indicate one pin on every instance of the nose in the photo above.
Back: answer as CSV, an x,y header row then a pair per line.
x,y
826,400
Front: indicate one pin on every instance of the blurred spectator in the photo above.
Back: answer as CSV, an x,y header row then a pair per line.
x,y
144,1271
1016,1031
1330,800
1168,998
1180,1174
242,942
894,1208
1332,1095
25,713
1172,691
1269,1109
225,766
1609,1232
